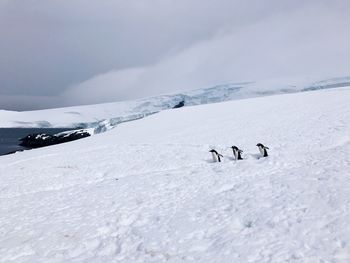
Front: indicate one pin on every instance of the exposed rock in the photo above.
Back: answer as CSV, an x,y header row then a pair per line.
x,y
179,105
42,139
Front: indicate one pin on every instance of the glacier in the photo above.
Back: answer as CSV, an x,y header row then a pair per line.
x,y
102,117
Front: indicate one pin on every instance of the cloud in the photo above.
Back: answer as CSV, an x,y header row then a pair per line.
x,y
13,102
60,52
310,42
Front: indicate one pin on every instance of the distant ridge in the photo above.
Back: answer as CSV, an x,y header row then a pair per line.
x,y
102,117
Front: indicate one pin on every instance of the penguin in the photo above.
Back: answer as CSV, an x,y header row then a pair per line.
x,y
216,156
263,149
237,153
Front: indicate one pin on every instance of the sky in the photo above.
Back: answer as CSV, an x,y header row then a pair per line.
x,y
70,52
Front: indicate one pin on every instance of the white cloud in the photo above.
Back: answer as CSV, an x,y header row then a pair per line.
x,y
126,49
309,42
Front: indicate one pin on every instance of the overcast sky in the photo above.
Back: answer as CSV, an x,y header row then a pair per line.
x,y
69,52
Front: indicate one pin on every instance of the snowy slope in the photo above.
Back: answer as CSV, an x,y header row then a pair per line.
x,y
105,116
147,191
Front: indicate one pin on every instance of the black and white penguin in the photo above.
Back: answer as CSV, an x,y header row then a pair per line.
x,y
216,156
237,153
263,149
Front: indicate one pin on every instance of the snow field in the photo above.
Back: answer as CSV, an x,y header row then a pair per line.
x,y
148,191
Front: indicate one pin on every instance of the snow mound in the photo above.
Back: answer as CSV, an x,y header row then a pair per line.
x,y
148,191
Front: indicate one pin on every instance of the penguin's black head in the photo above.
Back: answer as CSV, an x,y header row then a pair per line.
x,y
212,151
260,145
234,148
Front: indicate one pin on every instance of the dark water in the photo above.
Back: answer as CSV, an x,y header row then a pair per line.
x,y
9,137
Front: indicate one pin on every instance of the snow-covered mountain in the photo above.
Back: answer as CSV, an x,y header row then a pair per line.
x,y
147,191
102,117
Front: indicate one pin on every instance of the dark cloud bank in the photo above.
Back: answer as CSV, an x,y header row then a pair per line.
x,y
59,52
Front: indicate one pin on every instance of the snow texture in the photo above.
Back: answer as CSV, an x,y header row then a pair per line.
x,y
148,190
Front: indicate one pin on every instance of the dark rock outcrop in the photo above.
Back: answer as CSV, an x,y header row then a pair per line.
x,y
42,139
179,105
